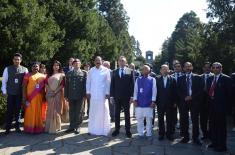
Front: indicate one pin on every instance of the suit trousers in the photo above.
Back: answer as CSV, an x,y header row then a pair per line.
x,y
119,104
185,108
204,116
218,126
162,111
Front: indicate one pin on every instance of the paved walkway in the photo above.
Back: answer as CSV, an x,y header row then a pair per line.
x,y
83,143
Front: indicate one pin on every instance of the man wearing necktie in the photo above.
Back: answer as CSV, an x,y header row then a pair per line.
x,y
70,66
233,99
218,88
121,92
204,107
177,74
190,88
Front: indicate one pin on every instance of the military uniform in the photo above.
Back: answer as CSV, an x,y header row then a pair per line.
x,y
75,91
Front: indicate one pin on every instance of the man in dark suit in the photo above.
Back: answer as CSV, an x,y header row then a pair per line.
x,y
233,99
165,98
219,87
177,74
204,107
122,88
69,67
190,88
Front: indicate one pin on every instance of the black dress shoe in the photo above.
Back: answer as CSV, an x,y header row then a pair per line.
x,y
69,130
204,138
115,133
220,149
7,132
184,140
170,138
18,130
211,146
197,141
128,134
77,131
160,137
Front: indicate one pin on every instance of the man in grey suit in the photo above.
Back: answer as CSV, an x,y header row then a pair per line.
x,y
75,91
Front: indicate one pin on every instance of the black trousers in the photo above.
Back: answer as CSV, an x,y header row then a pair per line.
x,y
218,126
125,104
174,115
233,113
204,116
165,111
185,108
112,110
13,110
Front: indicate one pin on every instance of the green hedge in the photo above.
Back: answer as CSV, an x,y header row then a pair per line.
x,y
3,106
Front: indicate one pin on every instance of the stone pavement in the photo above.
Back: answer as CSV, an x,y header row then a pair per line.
x,y
84,144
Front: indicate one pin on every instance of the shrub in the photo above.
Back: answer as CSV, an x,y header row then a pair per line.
x,y
3,106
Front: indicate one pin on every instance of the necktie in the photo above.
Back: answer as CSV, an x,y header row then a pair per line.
x,y
122,73
177,76
164,82
205,86
212,89
188,85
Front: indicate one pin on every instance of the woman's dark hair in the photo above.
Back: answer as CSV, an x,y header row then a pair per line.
x,y
50,72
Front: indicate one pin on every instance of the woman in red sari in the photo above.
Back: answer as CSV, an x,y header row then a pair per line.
x,y
33,98
55,97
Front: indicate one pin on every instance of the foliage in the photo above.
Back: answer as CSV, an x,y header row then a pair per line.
x,y
45,30
198,42
3,106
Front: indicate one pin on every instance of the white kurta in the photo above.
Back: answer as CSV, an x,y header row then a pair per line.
x,y
98,86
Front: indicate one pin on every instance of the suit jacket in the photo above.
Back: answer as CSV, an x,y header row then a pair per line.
x,y
197,88
122,87
233,88
205,82
166,96
221,93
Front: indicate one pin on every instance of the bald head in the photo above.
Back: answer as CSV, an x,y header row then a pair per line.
x,y
188,67
106,64
145,70
164,70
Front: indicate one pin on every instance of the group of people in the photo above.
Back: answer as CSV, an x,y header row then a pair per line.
x,y
49,96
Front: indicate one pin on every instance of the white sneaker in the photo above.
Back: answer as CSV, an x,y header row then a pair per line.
x,y
233,130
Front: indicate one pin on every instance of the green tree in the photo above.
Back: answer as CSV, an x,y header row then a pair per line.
x,y
33,32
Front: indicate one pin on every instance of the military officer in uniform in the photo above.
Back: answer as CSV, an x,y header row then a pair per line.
x,y
75,92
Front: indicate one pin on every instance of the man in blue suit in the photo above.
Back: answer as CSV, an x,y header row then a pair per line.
x,y
219,88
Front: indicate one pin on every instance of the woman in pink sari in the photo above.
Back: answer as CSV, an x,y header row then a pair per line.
x,y
55,97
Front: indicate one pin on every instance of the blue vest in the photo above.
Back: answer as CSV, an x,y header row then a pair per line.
x,y
145,85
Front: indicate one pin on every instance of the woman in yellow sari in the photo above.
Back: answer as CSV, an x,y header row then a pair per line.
x,y
55,97
33,97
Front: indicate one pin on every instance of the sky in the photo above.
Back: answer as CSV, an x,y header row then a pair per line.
x,y
152,21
